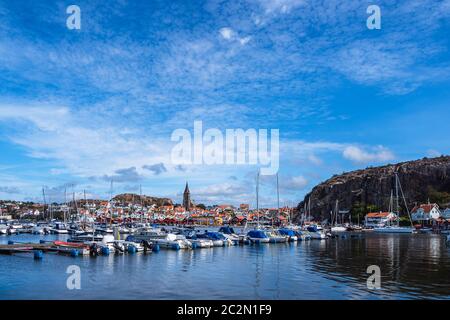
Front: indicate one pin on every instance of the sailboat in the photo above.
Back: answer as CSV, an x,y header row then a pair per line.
x,y
275,235
396,228
336,227
258,235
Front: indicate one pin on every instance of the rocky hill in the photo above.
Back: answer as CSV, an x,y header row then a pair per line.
x,y
146,200
367,190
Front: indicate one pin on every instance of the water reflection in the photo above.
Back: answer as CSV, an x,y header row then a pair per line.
x,y
412,266
415,265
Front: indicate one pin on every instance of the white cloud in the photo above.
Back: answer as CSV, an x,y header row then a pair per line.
x,y
226,33
294,183
356,154
281,6
77,144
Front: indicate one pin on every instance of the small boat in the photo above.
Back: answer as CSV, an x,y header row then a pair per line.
x,y
316,232
104,229
424,230
163,239
218,239
67,247
229,233
339,229
393,229
86,238
289,233
258,236
302,235
191,235
59,228
129,246
38,230
3,229
276,237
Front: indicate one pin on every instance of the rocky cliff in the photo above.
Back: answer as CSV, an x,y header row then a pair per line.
x,y
370,189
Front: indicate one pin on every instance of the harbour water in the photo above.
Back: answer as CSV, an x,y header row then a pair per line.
x,y
412,266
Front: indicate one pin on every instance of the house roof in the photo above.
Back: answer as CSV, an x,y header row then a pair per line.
x,y
425,207
378,214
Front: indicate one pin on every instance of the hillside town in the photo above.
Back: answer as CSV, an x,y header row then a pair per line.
x,y
132,208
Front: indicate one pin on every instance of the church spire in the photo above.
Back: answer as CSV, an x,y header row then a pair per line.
x,y
187,198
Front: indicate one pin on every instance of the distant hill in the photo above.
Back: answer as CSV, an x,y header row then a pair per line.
x,y
367,190
146,200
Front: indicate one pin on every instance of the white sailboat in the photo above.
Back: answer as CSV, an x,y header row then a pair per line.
x,y
396,228
336,227
258,235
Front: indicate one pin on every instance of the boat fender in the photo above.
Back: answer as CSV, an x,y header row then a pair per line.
x,y
130,238
38,254
175,246
10,242
74,253
156,248
131,249
105,251
194,245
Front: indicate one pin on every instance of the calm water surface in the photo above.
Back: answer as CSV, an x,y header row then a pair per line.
x,y
412,266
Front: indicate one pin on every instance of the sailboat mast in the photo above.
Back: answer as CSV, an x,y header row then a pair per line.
x,y
140,201
278,201
397,207
257,197
43,195
65,202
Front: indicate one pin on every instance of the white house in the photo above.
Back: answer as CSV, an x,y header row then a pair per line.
x,y
379,219
425,212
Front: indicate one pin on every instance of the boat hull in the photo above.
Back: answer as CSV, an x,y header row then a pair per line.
x,y
393,230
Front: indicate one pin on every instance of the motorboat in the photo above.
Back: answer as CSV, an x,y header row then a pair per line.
x,y
302,235
289,233
86,238
218,239
339,229
276,237
316,232
3,229
103,229
258,236
58,228
229,233
191,235
162,238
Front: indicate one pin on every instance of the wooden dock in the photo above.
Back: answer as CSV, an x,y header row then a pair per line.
x,y
43,247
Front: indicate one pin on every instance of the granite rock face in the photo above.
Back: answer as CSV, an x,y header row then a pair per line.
x,y
372,187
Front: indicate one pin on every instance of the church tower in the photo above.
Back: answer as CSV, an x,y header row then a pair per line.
x,y
187,198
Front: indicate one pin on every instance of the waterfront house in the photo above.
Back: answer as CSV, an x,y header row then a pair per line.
x,y
426,213
379,219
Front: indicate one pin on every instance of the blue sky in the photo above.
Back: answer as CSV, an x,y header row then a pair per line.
x,y
81,107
